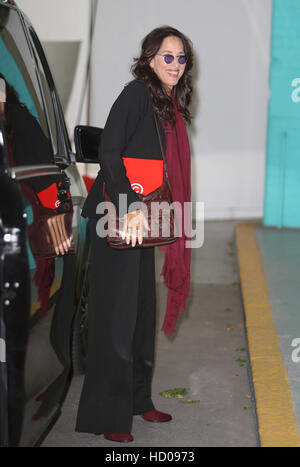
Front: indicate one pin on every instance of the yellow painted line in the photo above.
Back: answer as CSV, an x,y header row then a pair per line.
x,y
278,425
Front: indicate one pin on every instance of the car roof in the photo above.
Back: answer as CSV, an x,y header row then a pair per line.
x,y
8,3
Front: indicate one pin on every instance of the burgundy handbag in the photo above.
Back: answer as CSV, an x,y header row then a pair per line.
x,y
161,226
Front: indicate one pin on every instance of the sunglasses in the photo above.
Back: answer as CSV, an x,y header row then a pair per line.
x,y
170,58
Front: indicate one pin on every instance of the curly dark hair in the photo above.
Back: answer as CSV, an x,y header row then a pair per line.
x,y
141,69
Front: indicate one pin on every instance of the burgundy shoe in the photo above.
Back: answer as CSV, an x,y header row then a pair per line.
x,y
119,437
156,416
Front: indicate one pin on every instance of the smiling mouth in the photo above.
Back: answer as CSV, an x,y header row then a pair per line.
x,y
174,74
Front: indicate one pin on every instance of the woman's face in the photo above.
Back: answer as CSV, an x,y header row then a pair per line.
x,y
169,74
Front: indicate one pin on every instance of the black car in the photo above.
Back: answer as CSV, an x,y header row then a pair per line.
x,y
44,245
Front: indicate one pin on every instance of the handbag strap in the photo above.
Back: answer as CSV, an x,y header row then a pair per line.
x,y
161,146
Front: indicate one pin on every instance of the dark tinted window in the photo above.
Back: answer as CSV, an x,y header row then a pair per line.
x,y
26,125
48,105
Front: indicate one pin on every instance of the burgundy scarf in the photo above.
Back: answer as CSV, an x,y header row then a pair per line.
x,y
176,269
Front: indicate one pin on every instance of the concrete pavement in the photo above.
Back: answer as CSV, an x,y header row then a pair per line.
x,y
207,355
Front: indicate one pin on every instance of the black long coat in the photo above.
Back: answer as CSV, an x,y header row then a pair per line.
x,y
122,283
130,131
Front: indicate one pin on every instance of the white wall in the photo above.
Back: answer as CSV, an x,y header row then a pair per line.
x,y
63,20
232,42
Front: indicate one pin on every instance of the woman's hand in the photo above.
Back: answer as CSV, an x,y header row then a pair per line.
x,y
58,233
133,227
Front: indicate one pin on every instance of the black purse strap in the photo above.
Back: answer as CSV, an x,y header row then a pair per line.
x,y
161,146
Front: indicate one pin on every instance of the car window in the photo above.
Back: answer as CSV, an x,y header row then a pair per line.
x,y
25,121
49,108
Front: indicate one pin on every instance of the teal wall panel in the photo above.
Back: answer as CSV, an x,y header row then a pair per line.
x,y
282,183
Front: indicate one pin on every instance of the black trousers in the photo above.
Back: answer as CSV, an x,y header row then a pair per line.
x,y
122,304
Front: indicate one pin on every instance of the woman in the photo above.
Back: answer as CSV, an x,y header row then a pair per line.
x,y
122,283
